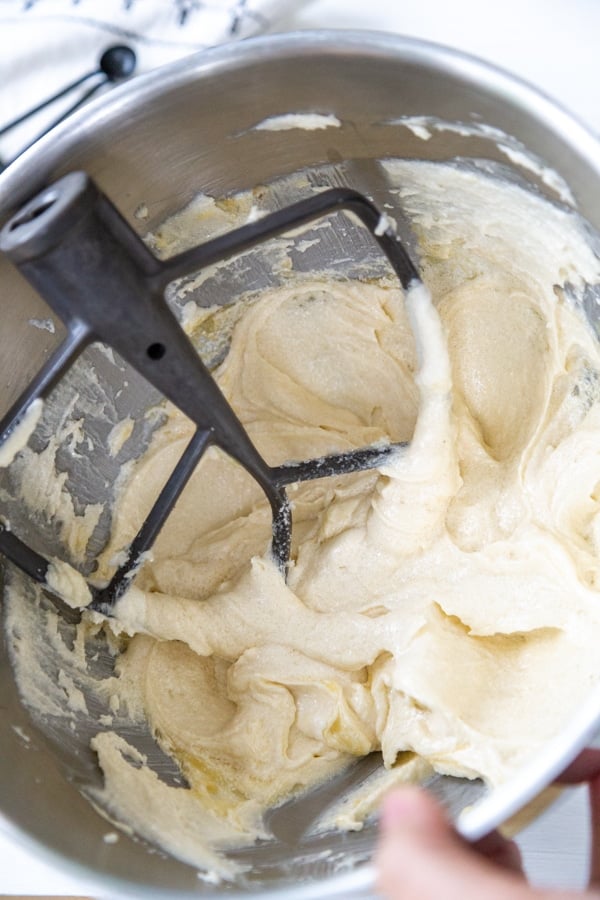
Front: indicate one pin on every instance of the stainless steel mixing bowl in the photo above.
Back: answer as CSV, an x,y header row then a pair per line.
x,y
155,143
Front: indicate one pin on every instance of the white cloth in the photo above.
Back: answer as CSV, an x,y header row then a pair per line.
x,y
46,45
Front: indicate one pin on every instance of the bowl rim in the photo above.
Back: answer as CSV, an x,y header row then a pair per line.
x,y
25,176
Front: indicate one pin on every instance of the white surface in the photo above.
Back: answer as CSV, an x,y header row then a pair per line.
x,y
553,44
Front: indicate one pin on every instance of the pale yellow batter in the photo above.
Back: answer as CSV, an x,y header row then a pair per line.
x,y
446,605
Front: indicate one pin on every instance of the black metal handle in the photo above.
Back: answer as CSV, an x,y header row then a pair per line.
x,y
115,64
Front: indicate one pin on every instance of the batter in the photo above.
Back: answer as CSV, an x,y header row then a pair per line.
x,y
445,608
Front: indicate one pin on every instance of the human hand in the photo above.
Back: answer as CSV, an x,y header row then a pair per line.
x,y
421,857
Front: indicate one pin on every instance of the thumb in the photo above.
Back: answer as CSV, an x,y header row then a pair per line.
x,y
420,856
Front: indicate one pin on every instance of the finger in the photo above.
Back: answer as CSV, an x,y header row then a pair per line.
x,y
585,767
501,851
594,793
420,856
